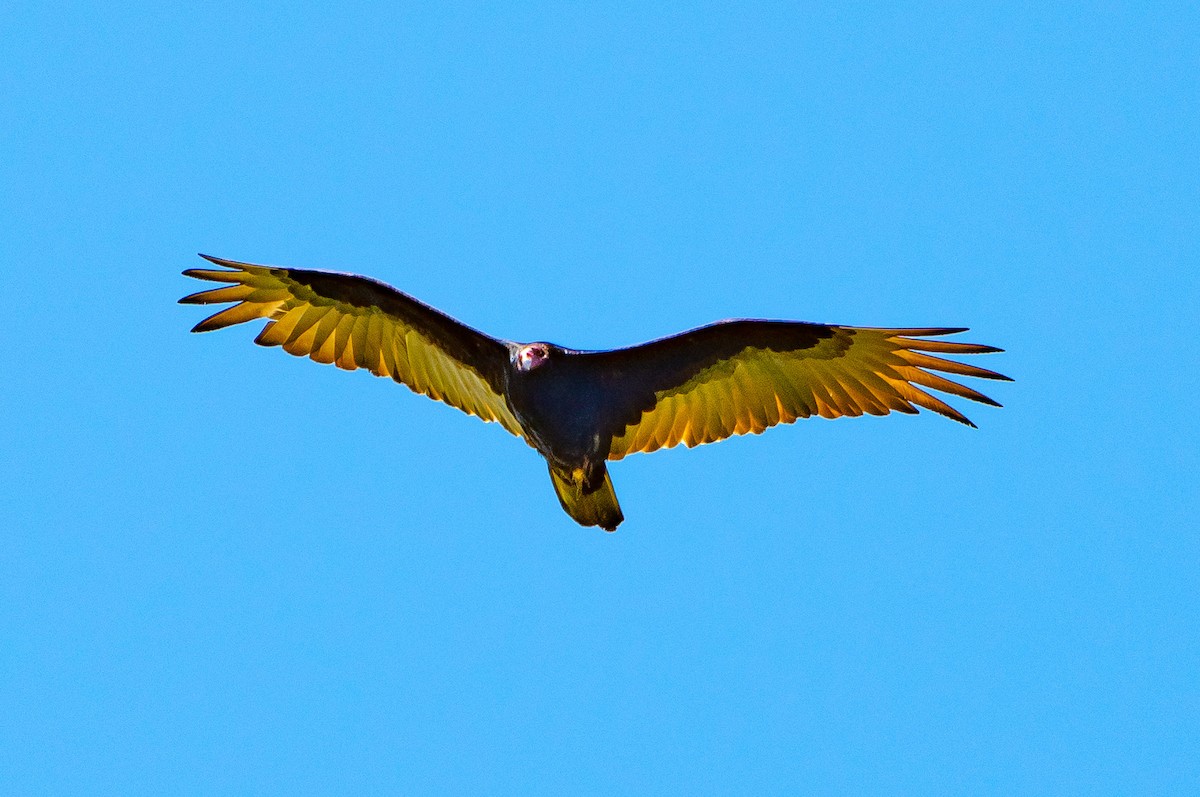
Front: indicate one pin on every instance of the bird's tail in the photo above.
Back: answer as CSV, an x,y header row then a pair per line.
x,y
595,506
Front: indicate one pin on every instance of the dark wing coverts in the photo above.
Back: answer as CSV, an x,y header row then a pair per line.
x,y
744,376
355,322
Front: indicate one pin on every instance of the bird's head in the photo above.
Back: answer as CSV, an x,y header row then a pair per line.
x,y
531,355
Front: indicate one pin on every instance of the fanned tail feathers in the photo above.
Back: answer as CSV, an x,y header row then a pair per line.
x,y
595,507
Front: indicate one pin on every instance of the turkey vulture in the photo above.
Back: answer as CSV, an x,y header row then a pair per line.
x,y
580,409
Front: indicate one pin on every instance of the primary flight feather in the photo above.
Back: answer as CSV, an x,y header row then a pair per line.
x,y
580,409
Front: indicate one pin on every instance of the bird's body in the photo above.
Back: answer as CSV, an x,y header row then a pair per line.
x,y
559,404
582,409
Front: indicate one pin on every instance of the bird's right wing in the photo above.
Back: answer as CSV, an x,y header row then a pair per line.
x,y
357,322
743,376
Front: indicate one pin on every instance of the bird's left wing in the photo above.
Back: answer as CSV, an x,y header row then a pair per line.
x,y
355,322
741,376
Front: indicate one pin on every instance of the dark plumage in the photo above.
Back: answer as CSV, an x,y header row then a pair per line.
x,y
580,409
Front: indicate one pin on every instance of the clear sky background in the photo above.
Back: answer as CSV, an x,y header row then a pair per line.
x,y
225,570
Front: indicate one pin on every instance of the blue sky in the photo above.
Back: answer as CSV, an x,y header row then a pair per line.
x,y
226,570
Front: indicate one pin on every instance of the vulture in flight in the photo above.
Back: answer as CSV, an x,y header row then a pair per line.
x,y
580,409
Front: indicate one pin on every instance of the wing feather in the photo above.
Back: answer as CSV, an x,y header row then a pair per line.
x,y
357,350
341,340
950,346
947,366
373,345
387,349
739,377
825,406
324,332
355,322
300,341
872,402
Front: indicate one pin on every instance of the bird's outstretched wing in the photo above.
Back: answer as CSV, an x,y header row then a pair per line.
x,y
355,322
735,377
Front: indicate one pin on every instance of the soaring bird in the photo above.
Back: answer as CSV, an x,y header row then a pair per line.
x,y
580,409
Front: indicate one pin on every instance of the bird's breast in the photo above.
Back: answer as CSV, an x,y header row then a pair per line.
x,y
559,411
